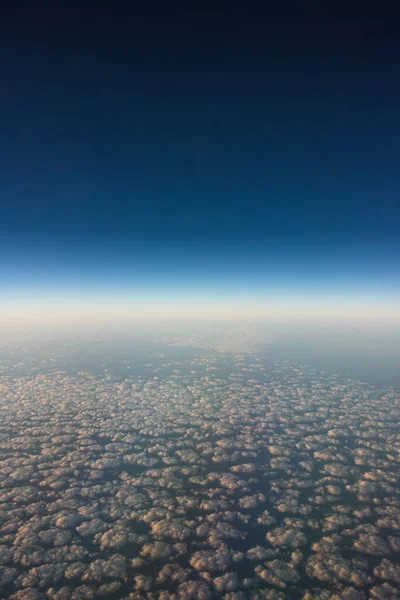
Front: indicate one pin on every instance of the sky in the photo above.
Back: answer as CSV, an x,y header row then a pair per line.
x,y
179,161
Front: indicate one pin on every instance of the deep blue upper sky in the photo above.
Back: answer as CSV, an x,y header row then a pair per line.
x,y
168,132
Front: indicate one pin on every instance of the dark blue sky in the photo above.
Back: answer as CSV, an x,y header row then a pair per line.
x,y
179,141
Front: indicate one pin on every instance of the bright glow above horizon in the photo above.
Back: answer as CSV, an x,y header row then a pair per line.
x,y
92,308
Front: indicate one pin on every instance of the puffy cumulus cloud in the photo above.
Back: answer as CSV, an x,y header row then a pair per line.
x,y
384,592
288,505
75,569
219,531
108,590
251,501
363,488
394,543
28,594
263,594
157,484
114,539
156,550
389,522
55,537
196,590
294,522
349,593
67,520
42,576
180,548
153,514
335,568
137,563
259,553
346,593
388,571
336,522
296,558
278,573
211,560
215,504
65,554
371,544
228,582
245,468
134,500
142,582
282,537
84,592
265,518
91,528
328,544
115,567
165,595
176,529
63,593
173,572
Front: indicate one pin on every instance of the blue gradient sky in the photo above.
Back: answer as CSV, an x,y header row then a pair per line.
x,y
199,159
